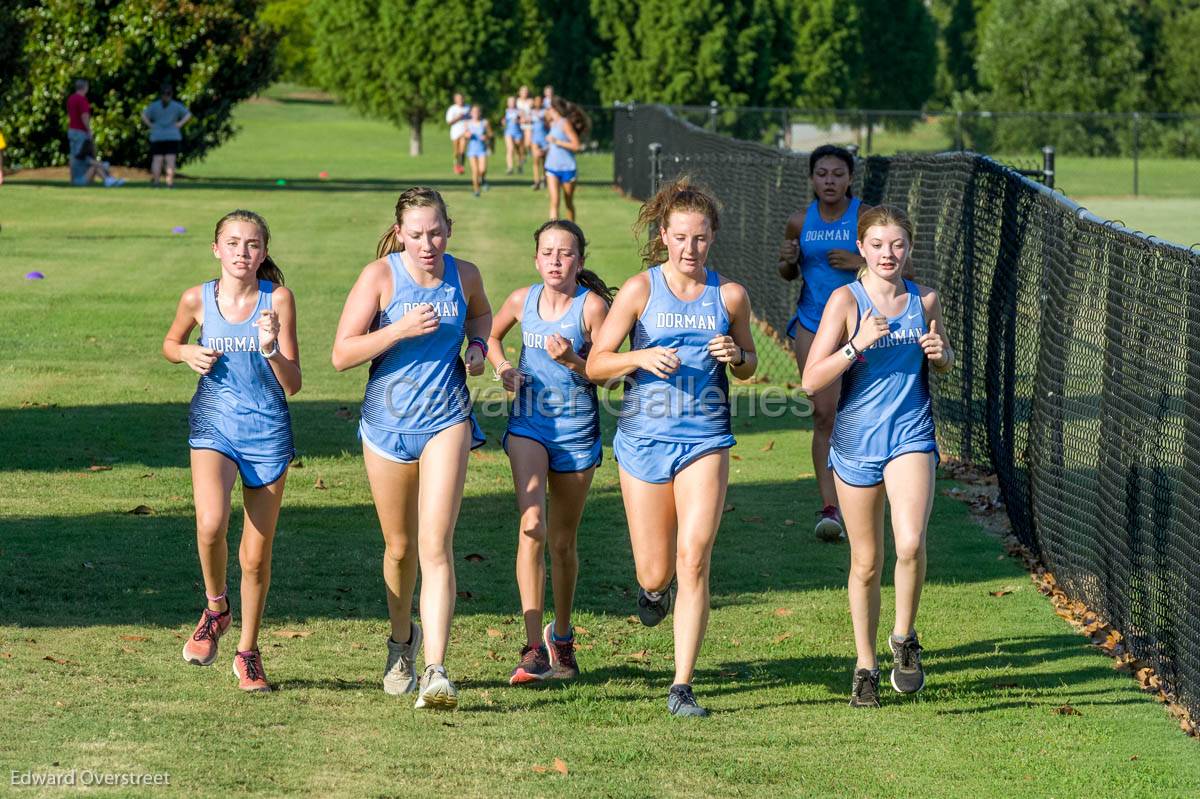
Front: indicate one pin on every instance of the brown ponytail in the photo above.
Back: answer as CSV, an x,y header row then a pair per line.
x,y
578,118
681,194
268,269
416,197
585,277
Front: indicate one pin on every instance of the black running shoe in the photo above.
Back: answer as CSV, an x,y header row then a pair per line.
x,y
907,675
865,691
652,610
682,702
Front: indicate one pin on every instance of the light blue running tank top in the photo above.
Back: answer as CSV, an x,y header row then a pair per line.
x,y
419,385
512,123
560,159
240,399
538,116
885,403
692,404
555,403
817,238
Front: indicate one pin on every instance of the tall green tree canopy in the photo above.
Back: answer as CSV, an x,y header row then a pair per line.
x,y
402,60
215,53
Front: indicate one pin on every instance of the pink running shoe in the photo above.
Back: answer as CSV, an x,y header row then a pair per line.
x,y
829,526
534,666
201,648
562,654
248,668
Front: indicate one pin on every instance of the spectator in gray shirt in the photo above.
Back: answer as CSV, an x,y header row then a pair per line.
x,y
165,117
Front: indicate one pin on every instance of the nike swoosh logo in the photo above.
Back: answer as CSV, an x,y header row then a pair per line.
x,y
706,304
914,315
567,327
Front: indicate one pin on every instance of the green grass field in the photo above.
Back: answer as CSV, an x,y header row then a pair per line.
x,y
95,602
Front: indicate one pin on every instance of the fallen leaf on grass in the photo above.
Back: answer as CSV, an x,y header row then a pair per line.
x,y
292,633
320,484
342,590
779,639
560,766
728,673
96,467
358,645
540,769
6,655
87,564
752,519
491,655
729,507
770,445
474,557
134,638
639,656
1001,592
142,510
781,612
59,661
494,633
736,457
129,651
464,594
788,522
1066,710
343,413
580,630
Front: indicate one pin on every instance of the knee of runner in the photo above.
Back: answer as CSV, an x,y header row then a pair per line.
x,y
691,565
562,548
210,527
654,576
397,551
909,548
533,525
865,570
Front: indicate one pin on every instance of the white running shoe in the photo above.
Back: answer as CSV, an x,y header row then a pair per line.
x,y
400,674
437,692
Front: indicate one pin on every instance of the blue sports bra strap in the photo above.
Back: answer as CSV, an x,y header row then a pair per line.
x,y
266,293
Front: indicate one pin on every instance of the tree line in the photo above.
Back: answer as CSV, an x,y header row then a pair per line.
x,y
400,60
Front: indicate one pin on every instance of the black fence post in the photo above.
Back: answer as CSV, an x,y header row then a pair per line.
x,y
958,131
1048,166
655,167
1137,119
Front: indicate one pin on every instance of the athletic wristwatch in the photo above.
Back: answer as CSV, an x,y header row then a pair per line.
x,y
850,353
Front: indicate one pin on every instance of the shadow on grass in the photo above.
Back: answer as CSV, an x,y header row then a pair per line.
x,y
306,184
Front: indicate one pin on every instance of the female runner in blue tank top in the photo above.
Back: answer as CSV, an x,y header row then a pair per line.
x,y
883,333
478,133
672,445
819,246
567,123
553,438
248,359
538,142
514,138
408,314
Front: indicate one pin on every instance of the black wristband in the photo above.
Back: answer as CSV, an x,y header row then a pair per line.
x,y
741,356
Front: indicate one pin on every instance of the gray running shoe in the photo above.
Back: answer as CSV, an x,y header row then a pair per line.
x,y
907,675
865,690
653,609
400,674
437,692
682,702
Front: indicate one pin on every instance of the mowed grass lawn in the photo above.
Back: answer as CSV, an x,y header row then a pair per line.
x,y
95,602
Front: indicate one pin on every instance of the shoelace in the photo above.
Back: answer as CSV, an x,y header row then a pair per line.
x,y
250,661
864,687
686,697
207,629
909,654
565,650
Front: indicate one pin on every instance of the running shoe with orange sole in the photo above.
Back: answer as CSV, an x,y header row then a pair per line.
x,y
201,648
534,666
248,668
562,654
